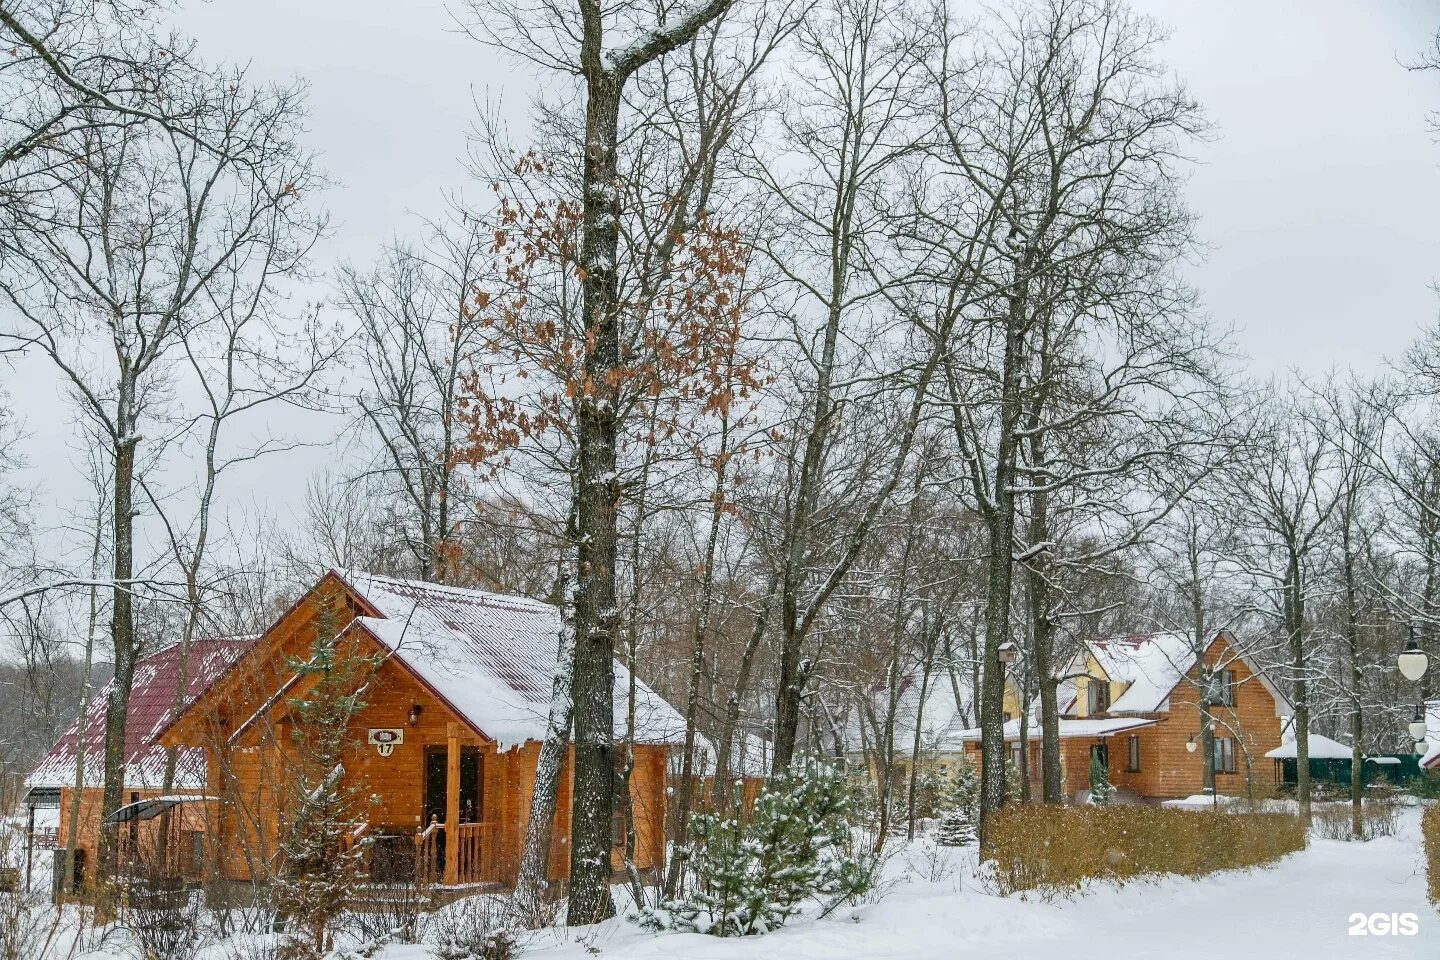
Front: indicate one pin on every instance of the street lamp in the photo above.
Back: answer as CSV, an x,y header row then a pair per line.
x,y
1412,660
1417,726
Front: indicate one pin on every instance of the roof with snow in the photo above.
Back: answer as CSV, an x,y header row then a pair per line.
x,y
1103,727
491,657
151,708
1150,664
1321,748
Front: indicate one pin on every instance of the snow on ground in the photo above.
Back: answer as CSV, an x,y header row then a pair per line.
x,y
935,909
1299,908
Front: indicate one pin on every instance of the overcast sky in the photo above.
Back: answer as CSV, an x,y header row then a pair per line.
x,y
1319,198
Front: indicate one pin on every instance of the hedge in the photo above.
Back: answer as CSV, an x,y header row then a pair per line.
x,y
1055,849
1430,829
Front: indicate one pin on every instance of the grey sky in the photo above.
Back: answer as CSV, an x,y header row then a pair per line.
x,y
1318,198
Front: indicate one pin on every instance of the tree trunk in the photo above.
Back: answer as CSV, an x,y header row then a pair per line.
x,y
122,636
720,788
697,667
534,871
1295,624
915,748
596,613
1000,525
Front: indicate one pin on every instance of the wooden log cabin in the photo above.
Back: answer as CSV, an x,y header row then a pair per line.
x,y
1133,703
438,759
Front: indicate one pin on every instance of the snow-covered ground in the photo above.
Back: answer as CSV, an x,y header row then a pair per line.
x,y
935,909
1299,908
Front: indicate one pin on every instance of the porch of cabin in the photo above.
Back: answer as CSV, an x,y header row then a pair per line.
x,y
450,812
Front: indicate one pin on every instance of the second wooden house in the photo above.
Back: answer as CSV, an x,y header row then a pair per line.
x,y
1133,704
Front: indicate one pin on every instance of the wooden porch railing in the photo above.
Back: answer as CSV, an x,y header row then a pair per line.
x,y
458,857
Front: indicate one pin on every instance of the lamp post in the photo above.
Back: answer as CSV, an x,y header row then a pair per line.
x,y
1412,664
1417,726
1412,661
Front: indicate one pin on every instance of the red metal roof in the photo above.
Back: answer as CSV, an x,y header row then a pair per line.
x,y
152,702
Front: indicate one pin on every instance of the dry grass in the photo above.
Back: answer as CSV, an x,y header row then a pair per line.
x,y
1430,829
1380,817
1053,850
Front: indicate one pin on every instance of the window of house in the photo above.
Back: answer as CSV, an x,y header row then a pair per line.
x,y
1097,696
1015,754
1224,755
1132,754
1008,718
1226,679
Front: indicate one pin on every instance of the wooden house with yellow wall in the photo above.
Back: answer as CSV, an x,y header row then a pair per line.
x,y
164,682
1133,703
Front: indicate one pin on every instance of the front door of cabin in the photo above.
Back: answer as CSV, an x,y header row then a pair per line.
x,y
437,782
1101,752
435,777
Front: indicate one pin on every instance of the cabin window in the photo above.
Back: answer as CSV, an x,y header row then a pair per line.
x,y
1132,754
1224,755
1097,696
1225,688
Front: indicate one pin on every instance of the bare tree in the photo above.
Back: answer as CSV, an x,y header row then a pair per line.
x,y
418,328
1289,494
1055,182
110,276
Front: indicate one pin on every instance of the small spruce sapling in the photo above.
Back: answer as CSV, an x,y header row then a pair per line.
x,y
321,859
1101,792
751,877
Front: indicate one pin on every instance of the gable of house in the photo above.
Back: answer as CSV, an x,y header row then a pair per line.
x,y
488,660
1142,672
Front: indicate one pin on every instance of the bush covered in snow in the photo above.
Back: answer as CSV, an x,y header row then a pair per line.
x,y
1054,850
475,928
750,876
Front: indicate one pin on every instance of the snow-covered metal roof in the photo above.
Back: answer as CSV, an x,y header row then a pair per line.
x,y
1151,665
491,657
1070,729
1321,748
151,708
1154,664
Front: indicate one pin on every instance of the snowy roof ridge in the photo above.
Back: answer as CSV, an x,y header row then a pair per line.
x,y
491,658
467,593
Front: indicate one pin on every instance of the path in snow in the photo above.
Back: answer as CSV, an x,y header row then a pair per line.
x,y
1299,909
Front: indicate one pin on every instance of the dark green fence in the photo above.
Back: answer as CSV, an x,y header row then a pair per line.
x,y
1338,771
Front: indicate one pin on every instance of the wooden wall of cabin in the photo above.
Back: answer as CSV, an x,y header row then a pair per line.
x,y
259,770
188,819
1252,722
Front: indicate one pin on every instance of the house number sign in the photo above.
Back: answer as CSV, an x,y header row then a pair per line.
x,y
387,739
